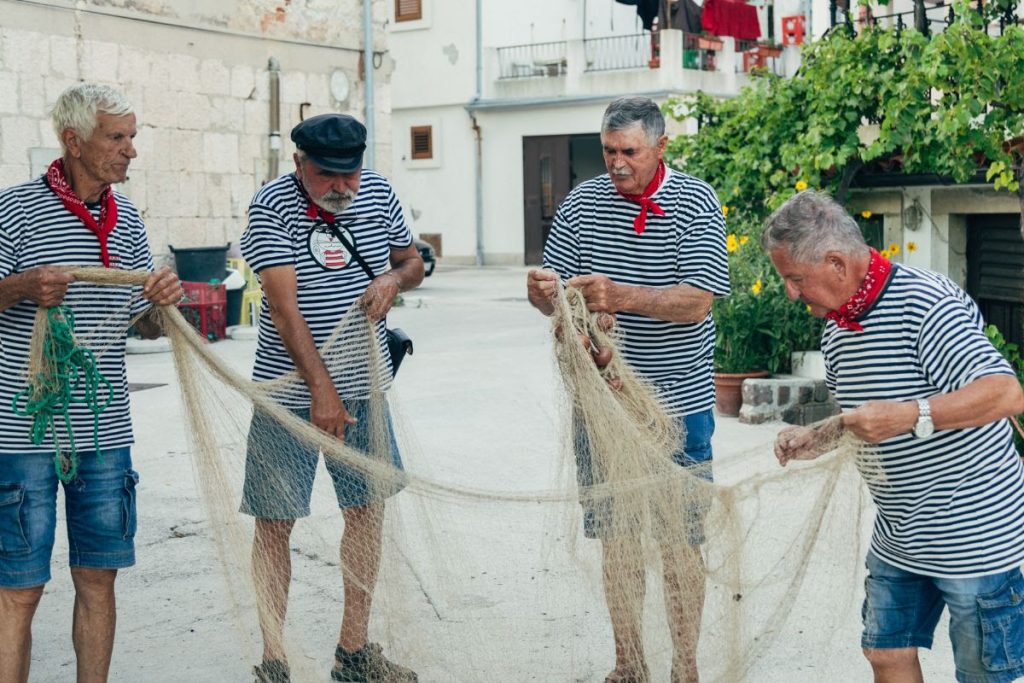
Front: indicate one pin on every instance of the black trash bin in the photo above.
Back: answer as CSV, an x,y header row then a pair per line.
x,y
201,264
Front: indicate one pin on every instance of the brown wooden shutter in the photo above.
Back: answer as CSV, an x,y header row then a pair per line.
x,y
422,142
408,10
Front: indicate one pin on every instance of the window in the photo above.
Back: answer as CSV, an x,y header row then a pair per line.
x,y
408,10
422,142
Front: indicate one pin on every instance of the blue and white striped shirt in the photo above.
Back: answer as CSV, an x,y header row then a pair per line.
x,y
593,234
950,505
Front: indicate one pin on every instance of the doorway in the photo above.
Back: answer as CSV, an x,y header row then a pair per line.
x,y
995,272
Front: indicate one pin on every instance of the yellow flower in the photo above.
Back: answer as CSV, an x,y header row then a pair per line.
x,y
808,308
725,210
886,255
865,214
743,240
736,190
731,243
911,247
756,287
894,248
800,186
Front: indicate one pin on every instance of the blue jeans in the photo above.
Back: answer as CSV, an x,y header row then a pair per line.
x,y
986,618
695,455
100,507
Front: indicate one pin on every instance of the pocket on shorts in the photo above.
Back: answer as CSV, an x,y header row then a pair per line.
x,y
129,518
12,530
1002,625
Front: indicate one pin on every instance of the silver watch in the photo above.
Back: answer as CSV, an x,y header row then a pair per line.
x,y
924,426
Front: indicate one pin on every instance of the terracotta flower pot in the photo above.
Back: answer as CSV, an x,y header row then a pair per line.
x,y
728,390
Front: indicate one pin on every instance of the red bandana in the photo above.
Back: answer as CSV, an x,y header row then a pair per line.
x,y
312,208
878,272
58,182
644,200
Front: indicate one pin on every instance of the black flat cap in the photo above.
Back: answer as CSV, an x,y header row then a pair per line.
x,y
334,142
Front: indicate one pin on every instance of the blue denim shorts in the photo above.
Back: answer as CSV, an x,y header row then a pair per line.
x,y
279,468
99,505
986,618
695,455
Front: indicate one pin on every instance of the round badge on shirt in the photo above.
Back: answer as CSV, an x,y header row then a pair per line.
x,y
327,250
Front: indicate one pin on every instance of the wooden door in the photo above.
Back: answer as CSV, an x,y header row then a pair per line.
x,y
546,182
995,272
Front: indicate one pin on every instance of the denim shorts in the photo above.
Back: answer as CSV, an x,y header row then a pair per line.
x,y
986,618
695,455
99,505
279,467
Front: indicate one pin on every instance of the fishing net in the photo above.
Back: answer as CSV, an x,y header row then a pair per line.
x,y
729,573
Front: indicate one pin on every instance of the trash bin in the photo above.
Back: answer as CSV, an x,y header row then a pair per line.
x,y
201,264
235,284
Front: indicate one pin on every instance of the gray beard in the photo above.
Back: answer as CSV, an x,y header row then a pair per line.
x,y
334,202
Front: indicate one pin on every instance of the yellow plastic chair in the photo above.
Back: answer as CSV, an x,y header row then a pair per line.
x,y
252,299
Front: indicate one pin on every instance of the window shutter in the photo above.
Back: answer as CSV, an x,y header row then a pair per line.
x,y
422,142
408,10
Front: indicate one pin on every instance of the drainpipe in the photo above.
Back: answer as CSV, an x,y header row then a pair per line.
x,y
368,80
275,118
478,170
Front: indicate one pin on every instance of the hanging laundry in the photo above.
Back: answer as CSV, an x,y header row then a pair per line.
x,y
686,16
646,9
731,18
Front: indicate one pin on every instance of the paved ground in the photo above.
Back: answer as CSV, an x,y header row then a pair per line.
x,y
491,591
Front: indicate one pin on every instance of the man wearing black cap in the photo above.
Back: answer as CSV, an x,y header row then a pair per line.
x,y
303,229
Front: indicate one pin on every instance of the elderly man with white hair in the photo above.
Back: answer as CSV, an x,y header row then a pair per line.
x,y
71,217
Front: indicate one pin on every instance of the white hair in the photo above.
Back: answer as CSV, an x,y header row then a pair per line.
x,y
78,105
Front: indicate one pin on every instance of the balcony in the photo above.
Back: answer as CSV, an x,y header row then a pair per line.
x,y
675,62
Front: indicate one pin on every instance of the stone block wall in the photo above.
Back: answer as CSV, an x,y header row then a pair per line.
x,y
796,400
197,75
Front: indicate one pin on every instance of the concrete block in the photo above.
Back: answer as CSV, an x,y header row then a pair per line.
x,y
820,391
185,149
805,393
184,72
159,69
757,393
26,52
243,187
47,135
17,134
216,197
261,80
318,90
226,114
54,86
784,393
9,103
99,61
162,194
31,98
161,106
293,87
133,65
193,111
136,189
63,56
220,153
214,77
13,174
243,83
190,186
257,116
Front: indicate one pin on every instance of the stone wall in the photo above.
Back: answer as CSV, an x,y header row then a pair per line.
x,y
796,400
197,75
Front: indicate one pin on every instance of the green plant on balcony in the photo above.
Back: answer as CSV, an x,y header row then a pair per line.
x,y
1012,354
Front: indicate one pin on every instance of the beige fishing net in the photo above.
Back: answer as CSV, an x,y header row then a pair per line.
x,y
760,565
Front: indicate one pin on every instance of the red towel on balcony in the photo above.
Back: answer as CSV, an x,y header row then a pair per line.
x,y
731,18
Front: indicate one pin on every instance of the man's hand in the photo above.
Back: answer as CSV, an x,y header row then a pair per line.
x,y
600,292
379,296
327,412
162,287
45,285
797,443
876,421
541,290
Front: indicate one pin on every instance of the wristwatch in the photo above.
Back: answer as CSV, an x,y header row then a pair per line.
x,y
924,426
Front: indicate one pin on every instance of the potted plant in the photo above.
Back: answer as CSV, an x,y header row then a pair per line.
x,y
757,325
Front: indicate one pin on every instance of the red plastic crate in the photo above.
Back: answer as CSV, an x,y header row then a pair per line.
x,y
205,307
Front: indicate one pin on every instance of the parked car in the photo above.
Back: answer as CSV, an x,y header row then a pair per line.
x,y
428,256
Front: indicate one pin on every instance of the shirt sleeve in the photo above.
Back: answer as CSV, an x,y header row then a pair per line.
x,y
702,257
399,235
10,213
953,349
562,250
143,261
266,241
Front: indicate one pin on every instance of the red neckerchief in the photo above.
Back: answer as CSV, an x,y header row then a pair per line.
x,y
58,182
644,200
878,272
312,208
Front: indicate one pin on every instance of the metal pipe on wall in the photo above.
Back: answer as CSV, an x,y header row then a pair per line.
x,y
273,158
368,81
478,166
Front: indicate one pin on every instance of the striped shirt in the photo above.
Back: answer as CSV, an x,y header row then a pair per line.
x,y
950,505
593,233
36,230
329,280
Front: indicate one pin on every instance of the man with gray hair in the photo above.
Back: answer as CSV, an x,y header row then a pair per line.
x,y
645,244
906,358
66,218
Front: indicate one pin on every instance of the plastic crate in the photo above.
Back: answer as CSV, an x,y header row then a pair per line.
x,y
205,308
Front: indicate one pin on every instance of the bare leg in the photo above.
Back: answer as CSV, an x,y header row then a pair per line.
x,y
272,573
360,562
95,618
17,607
898,665
624,589
683,568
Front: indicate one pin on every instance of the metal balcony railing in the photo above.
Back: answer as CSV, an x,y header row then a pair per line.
x,y
618,52
535,59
